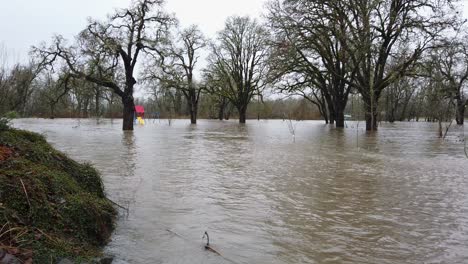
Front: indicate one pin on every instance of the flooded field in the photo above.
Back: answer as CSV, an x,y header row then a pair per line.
x,y
330,196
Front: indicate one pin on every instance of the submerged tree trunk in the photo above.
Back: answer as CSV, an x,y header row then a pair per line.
x,y
460,118
331,114
391,115
371,121
85,108
325,117
52,111
339,118
128,112
371,118
332,118
242,114
228,111
339,114
178,103
221,108
193,108
97,103
221,113
440,128
403,111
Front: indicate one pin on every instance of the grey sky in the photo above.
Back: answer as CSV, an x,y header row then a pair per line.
x,y
28,22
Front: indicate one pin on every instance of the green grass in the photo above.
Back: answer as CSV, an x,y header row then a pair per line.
x,y
50,205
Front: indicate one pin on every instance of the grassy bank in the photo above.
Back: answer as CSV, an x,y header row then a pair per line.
x,y
51,207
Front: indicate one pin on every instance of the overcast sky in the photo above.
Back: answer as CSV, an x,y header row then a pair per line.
x,y
24,23
28,22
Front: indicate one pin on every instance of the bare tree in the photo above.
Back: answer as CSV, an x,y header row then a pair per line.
x,y
309,50
358,43
54,88
119,41
16,83
178,69
4,79
397,98
296,84
378,29
439,104
21,80
452,63
238,66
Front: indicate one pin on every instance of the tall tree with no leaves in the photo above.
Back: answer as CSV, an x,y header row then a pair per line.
x,y
379,30
118,42
310,55
238,62
177,70
452,64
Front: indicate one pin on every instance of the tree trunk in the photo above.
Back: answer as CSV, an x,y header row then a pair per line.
x,y
52,111
242,114
391,115
332,118
339,118
78,107
221,108
227,114
323,112
460,112
193,108
403,111
97,103
371,118
330,108
85,108
178,103
331,115
221,113
128,112
339,114
440,129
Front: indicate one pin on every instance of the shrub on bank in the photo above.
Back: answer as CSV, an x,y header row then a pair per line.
x,y
12,115
51,207
4,124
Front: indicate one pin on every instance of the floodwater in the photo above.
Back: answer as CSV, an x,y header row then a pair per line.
x,y
330,196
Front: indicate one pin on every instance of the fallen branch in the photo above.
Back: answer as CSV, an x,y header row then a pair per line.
x,y
118,205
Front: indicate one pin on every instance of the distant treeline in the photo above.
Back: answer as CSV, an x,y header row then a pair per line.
x,y
384,60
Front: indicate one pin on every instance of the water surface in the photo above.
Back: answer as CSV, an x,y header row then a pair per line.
x,y
330,196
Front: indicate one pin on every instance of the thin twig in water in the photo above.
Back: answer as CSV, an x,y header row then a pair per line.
x,y
292,128
447,129
118,205
175,233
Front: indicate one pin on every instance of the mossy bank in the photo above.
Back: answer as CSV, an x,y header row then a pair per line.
x,y
51,207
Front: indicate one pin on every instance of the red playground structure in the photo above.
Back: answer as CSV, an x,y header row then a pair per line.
x,y
139,114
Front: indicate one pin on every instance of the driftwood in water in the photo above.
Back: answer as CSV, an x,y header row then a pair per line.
x,y
207,246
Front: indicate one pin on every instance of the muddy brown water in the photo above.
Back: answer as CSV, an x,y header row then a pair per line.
x,y
331,196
